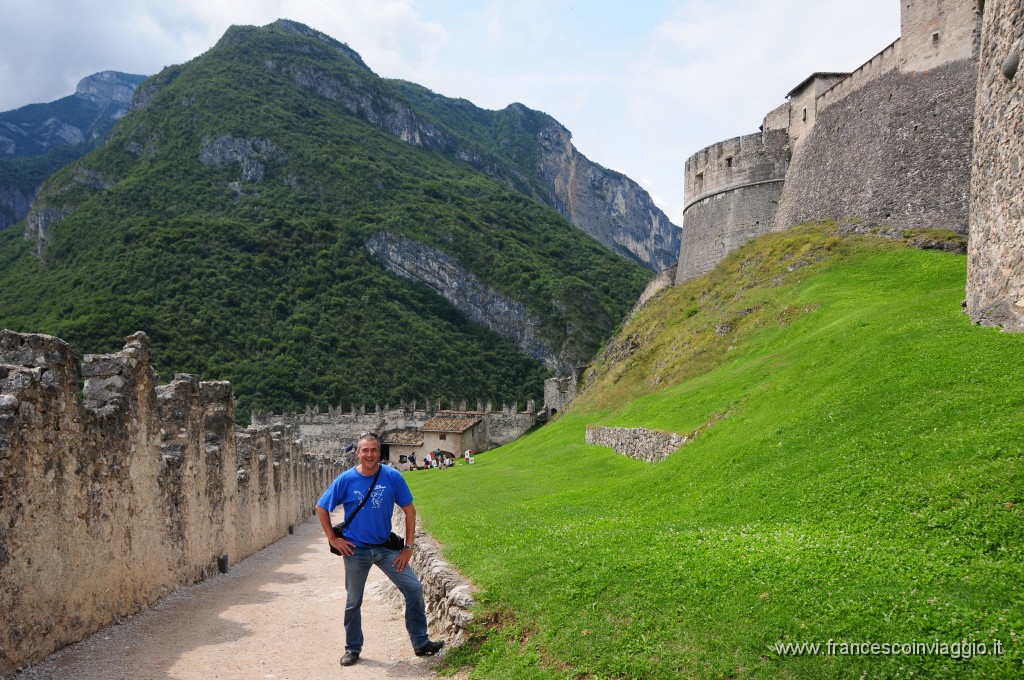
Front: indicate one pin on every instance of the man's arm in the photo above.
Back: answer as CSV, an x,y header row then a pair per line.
x,y
337,542
402,561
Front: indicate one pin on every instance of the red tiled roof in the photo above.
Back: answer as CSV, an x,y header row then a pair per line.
x,y
449,424
409,436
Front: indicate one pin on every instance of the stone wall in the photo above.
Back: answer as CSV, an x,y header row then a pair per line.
x,y
651,446
995,267
447,593
731,192
113,499
896,151
889,144
329,433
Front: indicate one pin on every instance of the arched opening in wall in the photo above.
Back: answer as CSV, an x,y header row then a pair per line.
x,y
554,412
728,161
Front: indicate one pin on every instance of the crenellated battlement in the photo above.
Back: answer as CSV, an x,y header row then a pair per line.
x,y
736,163
329,433
115,497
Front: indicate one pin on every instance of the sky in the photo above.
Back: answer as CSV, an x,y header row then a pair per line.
x,y
641,84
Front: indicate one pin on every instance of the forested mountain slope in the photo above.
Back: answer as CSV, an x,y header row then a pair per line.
x,y
231,215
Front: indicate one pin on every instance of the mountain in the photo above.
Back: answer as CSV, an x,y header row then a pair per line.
x,y
533,152
38,139
276,214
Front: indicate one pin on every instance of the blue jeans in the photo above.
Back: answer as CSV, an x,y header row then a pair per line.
x,y
357,567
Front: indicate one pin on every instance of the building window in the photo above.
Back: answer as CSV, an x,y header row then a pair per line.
x,y
728,161
805,113
935,37
442,437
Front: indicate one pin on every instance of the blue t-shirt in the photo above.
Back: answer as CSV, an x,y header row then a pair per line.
x,y
372,525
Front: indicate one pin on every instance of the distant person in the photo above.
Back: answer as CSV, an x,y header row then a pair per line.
x,y
412,460
363,544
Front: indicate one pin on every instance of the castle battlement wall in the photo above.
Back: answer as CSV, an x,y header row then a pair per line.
x,y
889,144
886,60
328,433
113,499
734,186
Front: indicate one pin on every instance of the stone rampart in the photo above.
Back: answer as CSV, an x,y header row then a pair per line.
x,y
888,144
652,446
896,151
731,192
886,60
995,264
329,434
113,499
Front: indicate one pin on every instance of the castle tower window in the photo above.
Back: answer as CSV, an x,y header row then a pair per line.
x,y
728,161
935,37
805,113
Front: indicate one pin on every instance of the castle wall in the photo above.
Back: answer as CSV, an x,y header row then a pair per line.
x,y
886,60
803,111
109,501
327,434
936,32
731,189
995,264
896,151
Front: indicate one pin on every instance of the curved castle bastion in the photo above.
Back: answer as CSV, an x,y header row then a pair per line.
x,y
114,497
888,144
735,187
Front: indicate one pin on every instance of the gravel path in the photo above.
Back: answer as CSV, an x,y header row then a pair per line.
x,y
276,615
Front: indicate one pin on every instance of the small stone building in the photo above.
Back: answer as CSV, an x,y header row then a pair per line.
x,y
398,445
454,433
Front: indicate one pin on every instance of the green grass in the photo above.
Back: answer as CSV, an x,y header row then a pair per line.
x,y
864,484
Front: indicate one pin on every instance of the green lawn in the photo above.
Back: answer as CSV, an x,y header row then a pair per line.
x,y
862,483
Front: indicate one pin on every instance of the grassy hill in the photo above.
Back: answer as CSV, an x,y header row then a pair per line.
x,y
245,259
857,477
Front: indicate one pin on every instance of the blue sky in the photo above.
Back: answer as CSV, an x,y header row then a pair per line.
x,y
641,85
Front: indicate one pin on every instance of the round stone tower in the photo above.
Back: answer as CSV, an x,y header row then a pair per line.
x,y
732,190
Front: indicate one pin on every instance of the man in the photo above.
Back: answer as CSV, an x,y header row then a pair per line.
x,y
363,544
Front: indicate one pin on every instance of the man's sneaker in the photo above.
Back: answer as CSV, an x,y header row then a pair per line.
x,y
349,658
430,648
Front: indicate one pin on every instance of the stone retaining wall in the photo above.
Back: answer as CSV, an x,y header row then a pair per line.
x,y
652,446
113,499
448,594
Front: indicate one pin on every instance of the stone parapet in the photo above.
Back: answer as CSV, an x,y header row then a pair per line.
x,y
447,593
114,498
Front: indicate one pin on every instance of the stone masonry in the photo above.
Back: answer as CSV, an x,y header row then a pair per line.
x,y
995,267
114,498
889,144
651,446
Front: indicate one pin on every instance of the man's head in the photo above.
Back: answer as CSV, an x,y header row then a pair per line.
x,y
368,450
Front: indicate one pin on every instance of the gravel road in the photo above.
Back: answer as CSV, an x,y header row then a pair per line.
x,y
276,615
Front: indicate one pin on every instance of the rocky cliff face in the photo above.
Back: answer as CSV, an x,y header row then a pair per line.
x,y
607,205
417,262
38,139
109,87
87,115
